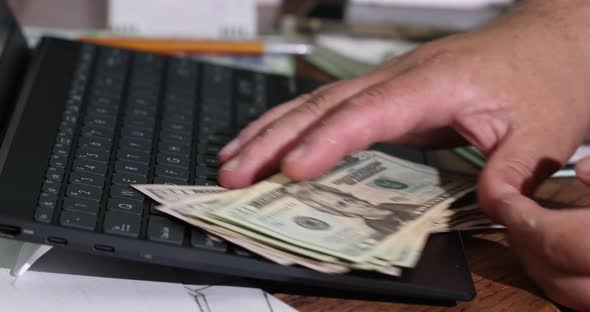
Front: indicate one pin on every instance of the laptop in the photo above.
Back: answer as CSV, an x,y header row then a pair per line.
x,y
79,123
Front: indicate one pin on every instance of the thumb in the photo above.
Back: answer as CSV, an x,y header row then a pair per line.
x,y
517,166
583,170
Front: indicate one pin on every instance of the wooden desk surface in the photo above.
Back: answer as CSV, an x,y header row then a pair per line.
x,y
500,282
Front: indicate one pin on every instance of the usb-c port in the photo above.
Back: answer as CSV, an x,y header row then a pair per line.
x,y
105,248
57,240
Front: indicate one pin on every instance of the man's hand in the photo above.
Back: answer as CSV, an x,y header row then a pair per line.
x,y
552,245
518,90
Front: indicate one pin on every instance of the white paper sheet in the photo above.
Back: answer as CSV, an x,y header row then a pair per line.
x,y
52,292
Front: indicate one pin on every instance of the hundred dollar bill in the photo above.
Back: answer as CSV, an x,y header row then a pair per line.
x,y
364,203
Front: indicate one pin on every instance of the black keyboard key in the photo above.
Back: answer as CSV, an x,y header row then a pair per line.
x,y
129,167
84,191
61,149
140,123
164,230
141,112
170,181
81,205
167,136
218,84
219,139
203,240
205,173
47,200
178,126
134,155
136,101
208,161
95,142
184,107
55,173
127,179
125,192
51,187
171,171
122,224
101,121
126,206
95,154
101,132
205,182
87,179
138,133
153,210
175,147
78,220
212,150
98,110
58,161
134,143
177,117
44,214
64,138
89,166
173,160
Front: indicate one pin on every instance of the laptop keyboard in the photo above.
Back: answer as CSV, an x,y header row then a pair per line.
x,y
135,118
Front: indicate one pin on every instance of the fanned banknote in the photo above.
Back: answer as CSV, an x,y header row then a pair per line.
x,y
373,211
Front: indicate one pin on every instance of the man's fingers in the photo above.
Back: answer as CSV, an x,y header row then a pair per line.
x,y
552,235
520,162
264,145
254,128
383,113
583,170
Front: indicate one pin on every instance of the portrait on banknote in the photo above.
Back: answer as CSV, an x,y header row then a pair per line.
x,y
384,218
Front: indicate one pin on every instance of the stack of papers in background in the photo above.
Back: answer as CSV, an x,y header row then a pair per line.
x,y
347,57
458,15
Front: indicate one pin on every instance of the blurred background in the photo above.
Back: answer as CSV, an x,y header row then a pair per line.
x,y
343,38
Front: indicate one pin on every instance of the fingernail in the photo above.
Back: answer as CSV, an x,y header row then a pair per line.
x,y
296,154
231,147
231,165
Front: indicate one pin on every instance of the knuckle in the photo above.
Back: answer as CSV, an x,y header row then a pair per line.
x,y
315,106
371,97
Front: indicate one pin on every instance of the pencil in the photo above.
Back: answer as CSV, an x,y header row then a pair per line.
x,y
175,46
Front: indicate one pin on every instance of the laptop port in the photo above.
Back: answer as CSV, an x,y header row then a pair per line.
x,y
9,231
57,240
105,248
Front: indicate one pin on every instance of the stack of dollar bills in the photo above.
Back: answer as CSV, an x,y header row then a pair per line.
x,y
371,212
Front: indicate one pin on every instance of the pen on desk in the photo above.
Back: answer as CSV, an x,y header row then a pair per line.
x,y
174,46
